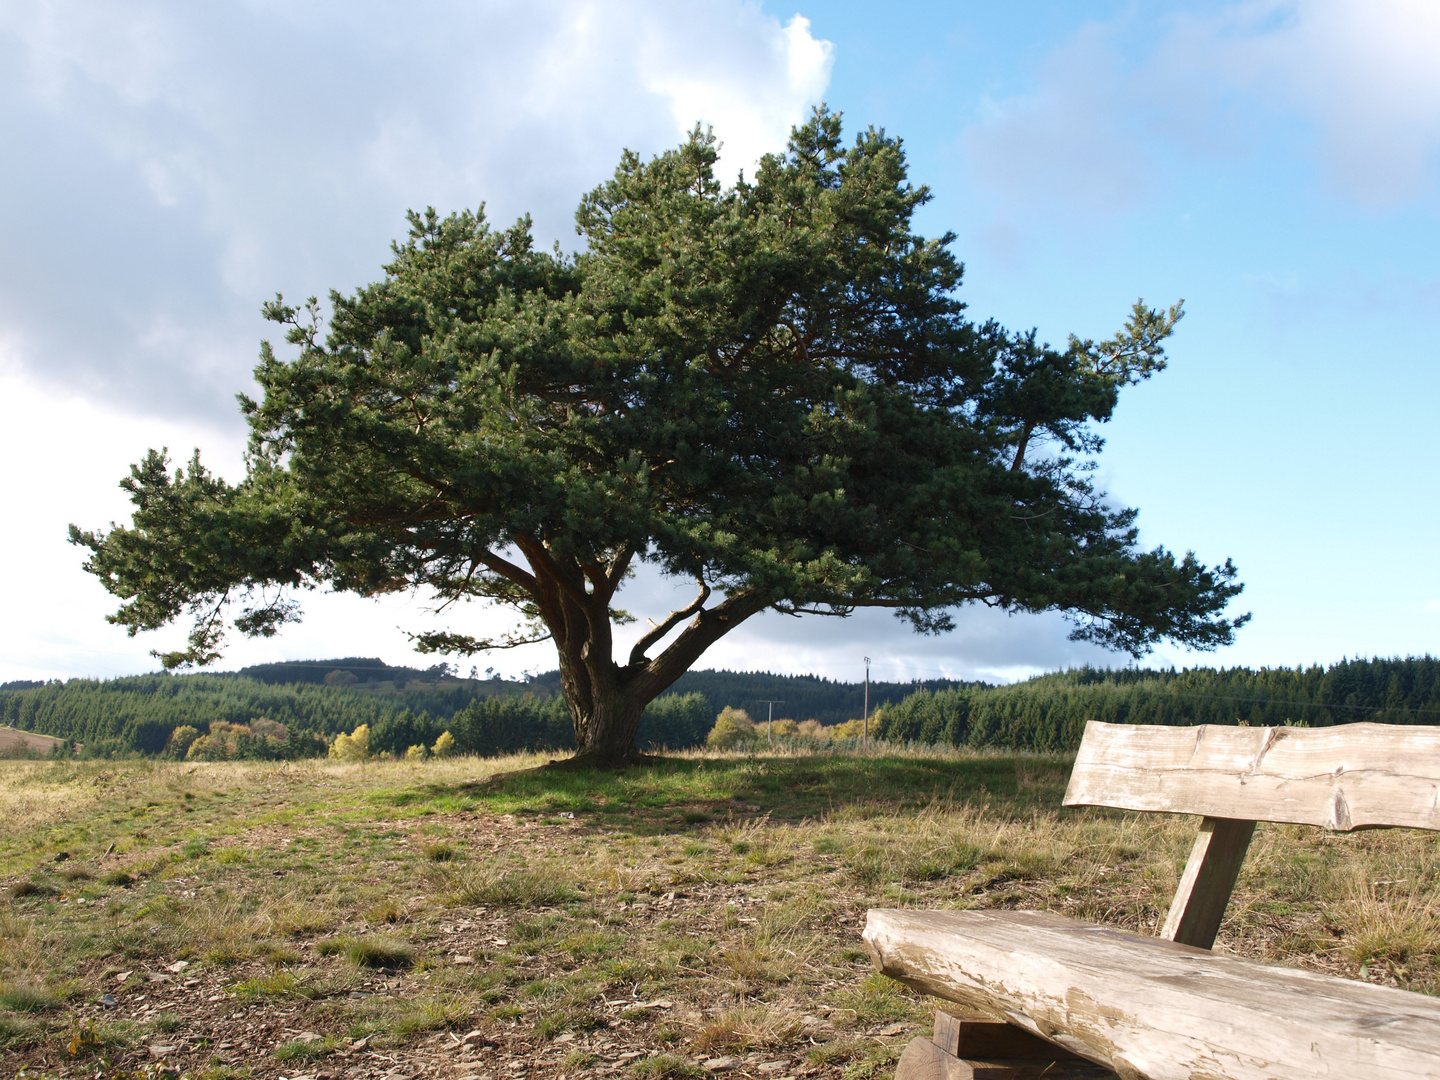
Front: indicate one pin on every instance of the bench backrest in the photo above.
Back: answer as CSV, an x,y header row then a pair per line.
x,y
1352,776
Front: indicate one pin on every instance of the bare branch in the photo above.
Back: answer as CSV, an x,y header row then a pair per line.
x,y
655,633
708,627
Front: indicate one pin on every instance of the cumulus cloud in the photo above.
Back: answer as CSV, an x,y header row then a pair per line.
x,y
170,165
1090,139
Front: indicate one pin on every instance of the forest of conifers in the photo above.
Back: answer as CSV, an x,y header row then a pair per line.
x,y
404,707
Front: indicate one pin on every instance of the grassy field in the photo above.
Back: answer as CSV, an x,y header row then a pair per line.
x,y
435,919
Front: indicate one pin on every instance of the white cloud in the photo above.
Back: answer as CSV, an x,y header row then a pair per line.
x,y
170,165
201,157
1362,77
1365,72
753,115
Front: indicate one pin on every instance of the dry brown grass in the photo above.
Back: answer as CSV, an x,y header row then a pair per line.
x,y
710,905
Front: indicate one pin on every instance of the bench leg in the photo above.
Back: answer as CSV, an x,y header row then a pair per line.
x,y
968,1047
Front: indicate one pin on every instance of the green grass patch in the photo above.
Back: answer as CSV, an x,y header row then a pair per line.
x,y
369,952
306,1049
25,998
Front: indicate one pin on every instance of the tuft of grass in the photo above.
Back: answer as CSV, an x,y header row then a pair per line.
x,y
440,852
666,1067
168,1022
25,998
876,1000
529,886
749,1028
371,952
577,1060
196,847
377,952
1391,921
306,1049
75,872
876,1061
32,888
386,911
17,1034
117,879
281,984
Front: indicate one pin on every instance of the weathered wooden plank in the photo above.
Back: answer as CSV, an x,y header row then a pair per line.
x,y
923,1060
968,1035
1209,878
1353,776
1153,1009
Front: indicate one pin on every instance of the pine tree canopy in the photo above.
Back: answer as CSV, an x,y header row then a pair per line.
x,y
771,390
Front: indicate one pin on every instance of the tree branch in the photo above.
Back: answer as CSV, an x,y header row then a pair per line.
x,y
506,569
708,627
655,633
542,561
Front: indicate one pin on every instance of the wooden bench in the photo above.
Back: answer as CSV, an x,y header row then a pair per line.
x,y
1167,1008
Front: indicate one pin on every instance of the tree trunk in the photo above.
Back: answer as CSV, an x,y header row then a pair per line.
x,y
605,733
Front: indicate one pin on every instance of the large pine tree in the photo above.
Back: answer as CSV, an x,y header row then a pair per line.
x,y
769,389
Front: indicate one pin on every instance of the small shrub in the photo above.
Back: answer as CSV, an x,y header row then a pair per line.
x,y
416,753
181,739
444,745
352,747
733,727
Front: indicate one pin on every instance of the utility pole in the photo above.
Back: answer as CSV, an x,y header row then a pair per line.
x,y
866,714
770,720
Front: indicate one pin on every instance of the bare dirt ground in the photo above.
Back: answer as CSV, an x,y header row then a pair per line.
x,y
12,740
700,918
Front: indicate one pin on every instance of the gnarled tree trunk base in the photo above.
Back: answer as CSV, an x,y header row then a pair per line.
x,y
587,760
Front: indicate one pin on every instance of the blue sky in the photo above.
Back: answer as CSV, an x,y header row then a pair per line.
x,y
169,166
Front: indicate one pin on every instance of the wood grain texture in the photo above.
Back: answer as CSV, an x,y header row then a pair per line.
x,y
1153,1009
1352,776
1209,878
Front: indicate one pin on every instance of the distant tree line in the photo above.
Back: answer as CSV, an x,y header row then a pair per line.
x,y
801,697
227,716
1049,712
245,716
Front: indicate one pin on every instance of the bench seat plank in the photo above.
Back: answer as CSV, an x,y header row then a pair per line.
x,y
1153,1009
1352,776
